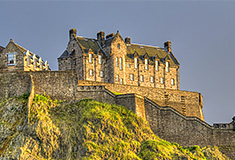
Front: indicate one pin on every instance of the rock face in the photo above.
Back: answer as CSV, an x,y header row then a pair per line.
x,y
84,130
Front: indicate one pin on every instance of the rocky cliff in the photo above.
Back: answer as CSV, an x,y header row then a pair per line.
x,y
50,129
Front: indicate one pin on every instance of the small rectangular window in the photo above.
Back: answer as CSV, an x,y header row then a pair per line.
x,y
157,65
91,72
117,61
90,58
121,81
117,79
136,63
129,65
100,59
167,66
120,63
172,82
101,74
142,78
152,79
146,64
162,80
132,77
11,59
118,45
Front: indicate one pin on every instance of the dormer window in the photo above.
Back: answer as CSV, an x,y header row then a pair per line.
x,y
11,59
157,65
90,58
146,64
100,59
167,66
118,45
136,63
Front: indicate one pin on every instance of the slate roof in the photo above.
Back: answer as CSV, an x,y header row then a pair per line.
x,y
65,54
86,43
152,51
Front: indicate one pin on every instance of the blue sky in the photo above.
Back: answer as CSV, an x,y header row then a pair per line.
x,y
202,35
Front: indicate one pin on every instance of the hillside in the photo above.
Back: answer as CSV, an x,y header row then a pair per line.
x,y
83,130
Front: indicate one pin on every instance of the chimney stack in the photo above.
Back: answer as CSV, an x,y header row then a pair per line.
x,y
100,37
128,40
167,46
110,35
72,33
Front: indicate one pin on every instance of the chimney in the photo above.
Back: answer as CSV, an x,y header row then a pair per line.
x,y
110,35
72,33
100,37
128,40
233,123
167,46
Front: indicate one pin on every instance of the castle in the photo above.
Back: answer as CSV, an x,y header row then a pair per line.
x,y
114,60
173,114
14,57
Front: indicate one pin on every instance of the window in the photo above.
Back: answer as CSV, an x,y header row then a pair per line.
x,y
132,77
146,64
121,81
90,58
167,66
11,59
91,72
142,78
152,79
118,45
136,63
157,65
117,61
100,59
172,82
162,80
102,74
120,63
117,79
129,65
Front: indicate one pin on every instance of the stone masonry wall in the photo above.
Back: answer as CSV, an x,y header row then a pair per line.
x,y
172,126
14,84
185,102
166,122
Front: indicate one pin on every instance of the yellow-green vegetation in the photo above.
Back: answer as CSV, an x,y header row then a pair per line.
x,y
117,93
89,130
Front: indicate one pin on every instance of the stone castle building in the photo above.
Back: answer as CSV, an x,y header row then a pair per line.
x,y
14,57
114,60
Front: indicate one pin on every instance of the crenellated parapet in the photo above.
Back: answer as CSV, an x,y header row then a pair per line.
x,y
33,62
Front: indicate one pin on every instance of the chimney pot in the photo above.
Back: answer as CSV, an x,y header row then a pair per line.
x,y
72,33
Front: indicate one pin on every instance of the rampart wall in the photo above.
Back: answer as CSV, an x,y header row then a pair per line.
x,y
188,103
165,121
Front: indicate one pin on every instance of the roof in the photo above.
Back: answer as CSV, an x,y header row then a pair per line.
x,y
88,43
152,51
1,48
65,54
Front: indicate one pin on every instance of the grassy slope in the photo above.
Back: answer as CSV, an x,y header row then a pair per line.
x,y
93,130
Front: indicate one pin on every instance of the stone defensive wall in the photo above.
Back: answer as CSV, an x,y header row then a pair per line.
x,y
166,122
172,126
186,102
